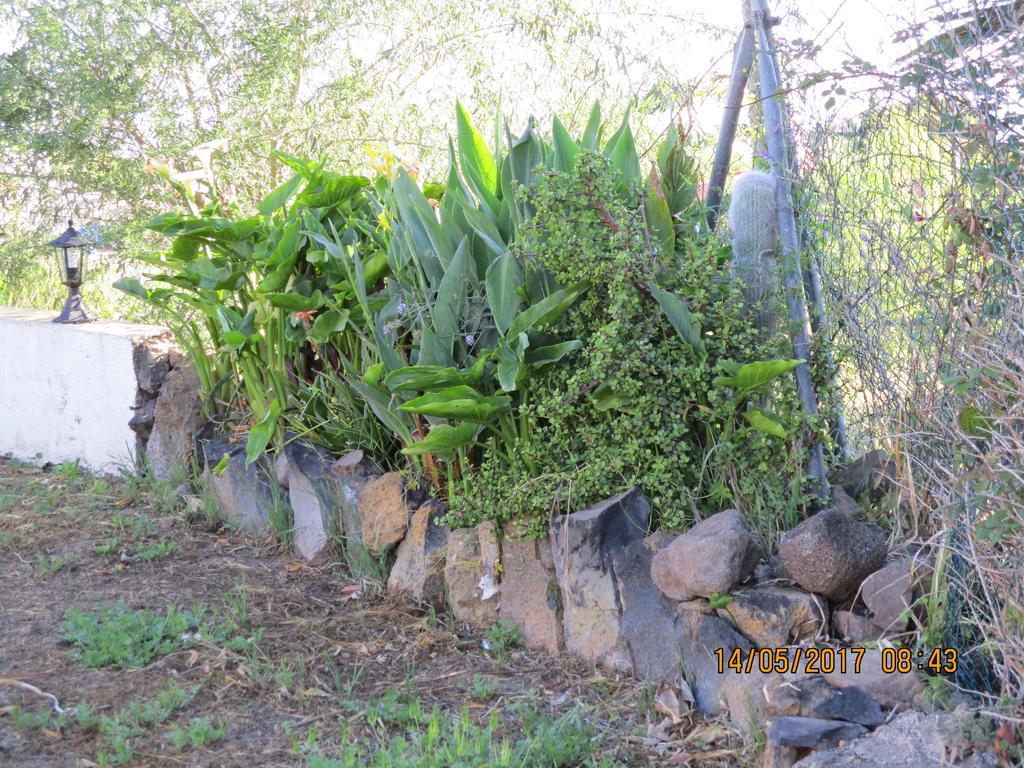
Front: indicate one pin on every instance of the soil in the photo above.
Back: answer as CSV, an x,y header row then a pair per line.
x,y
330,645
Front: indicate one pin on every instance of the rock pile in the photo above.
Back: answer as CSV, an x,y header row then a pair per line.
x,y
774,644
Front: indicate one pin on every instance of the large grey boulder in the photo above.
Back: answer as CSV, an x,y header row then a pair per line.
x,y
245,494
530,597
910,740
583,545
712,557
830,553
647,619
177,417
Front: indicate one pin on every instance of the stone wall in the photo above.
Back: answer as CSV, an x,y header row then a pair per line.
x,y
69,392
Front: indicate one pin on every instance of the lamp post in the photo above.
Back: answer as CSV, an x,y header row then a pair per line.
x,y
71,259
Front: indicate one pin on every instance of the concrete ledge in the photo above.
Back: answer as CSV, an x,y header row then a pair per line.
x,y
67,392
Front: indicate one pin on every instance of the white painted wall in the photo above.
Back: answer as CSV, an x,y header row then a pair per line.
x,y
67,391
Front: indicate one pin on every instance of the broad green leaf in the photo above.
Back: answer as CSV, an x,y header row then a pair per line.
x,y
288,246
621,153
511,355
425,378
380,401
659,217
327,324
450,301
278,279
766,424
592,134
444,440
679,316
503,279
280,196
485,229
417,217
374,373
461,403
746,378
719,600
547,310
261,434
607,399
542,357
477,161
566,150
296,302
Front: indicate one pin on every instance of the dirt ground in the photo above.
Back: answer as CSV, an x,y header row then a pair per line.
x,y
328,649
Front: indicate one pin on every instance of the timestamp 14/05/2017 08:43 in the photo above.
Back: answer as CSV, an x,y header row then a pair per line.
x,y
813,660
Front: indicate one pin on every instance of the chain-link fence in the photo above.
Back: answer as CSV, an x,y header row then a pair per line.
x,y
914,212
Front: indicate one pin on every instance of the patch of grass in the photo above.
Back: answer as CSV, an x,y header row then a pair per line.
x,y
131,721
280,514
154,550
108,547
200,732
209,505
408,737
100,487
121,521
500,638
71,472
32,719
52,563
482,688
119,637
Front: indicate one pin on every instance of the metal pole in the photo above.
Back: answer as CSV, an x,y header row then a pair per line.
x,y
789,241
819,318
742,60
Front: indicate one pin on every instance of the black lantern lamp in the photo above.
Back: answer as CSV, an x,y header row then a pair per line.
x,y
73,248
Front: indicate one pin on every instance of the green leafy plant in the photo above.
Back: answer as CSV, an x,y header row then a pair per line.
x,y
502,637
200,732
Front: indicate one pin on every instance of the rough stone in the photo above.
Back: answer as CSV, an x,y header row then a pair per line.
x,y
831,553
152,358
350,474
842,501
712,557
383,512
471,575
889,593
777,616
893,689
811,732
313,498
583,545
851,704
245,494
530,597
738,695
854,628
142,420
873,475
419,560
647,622
176,419
910,740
